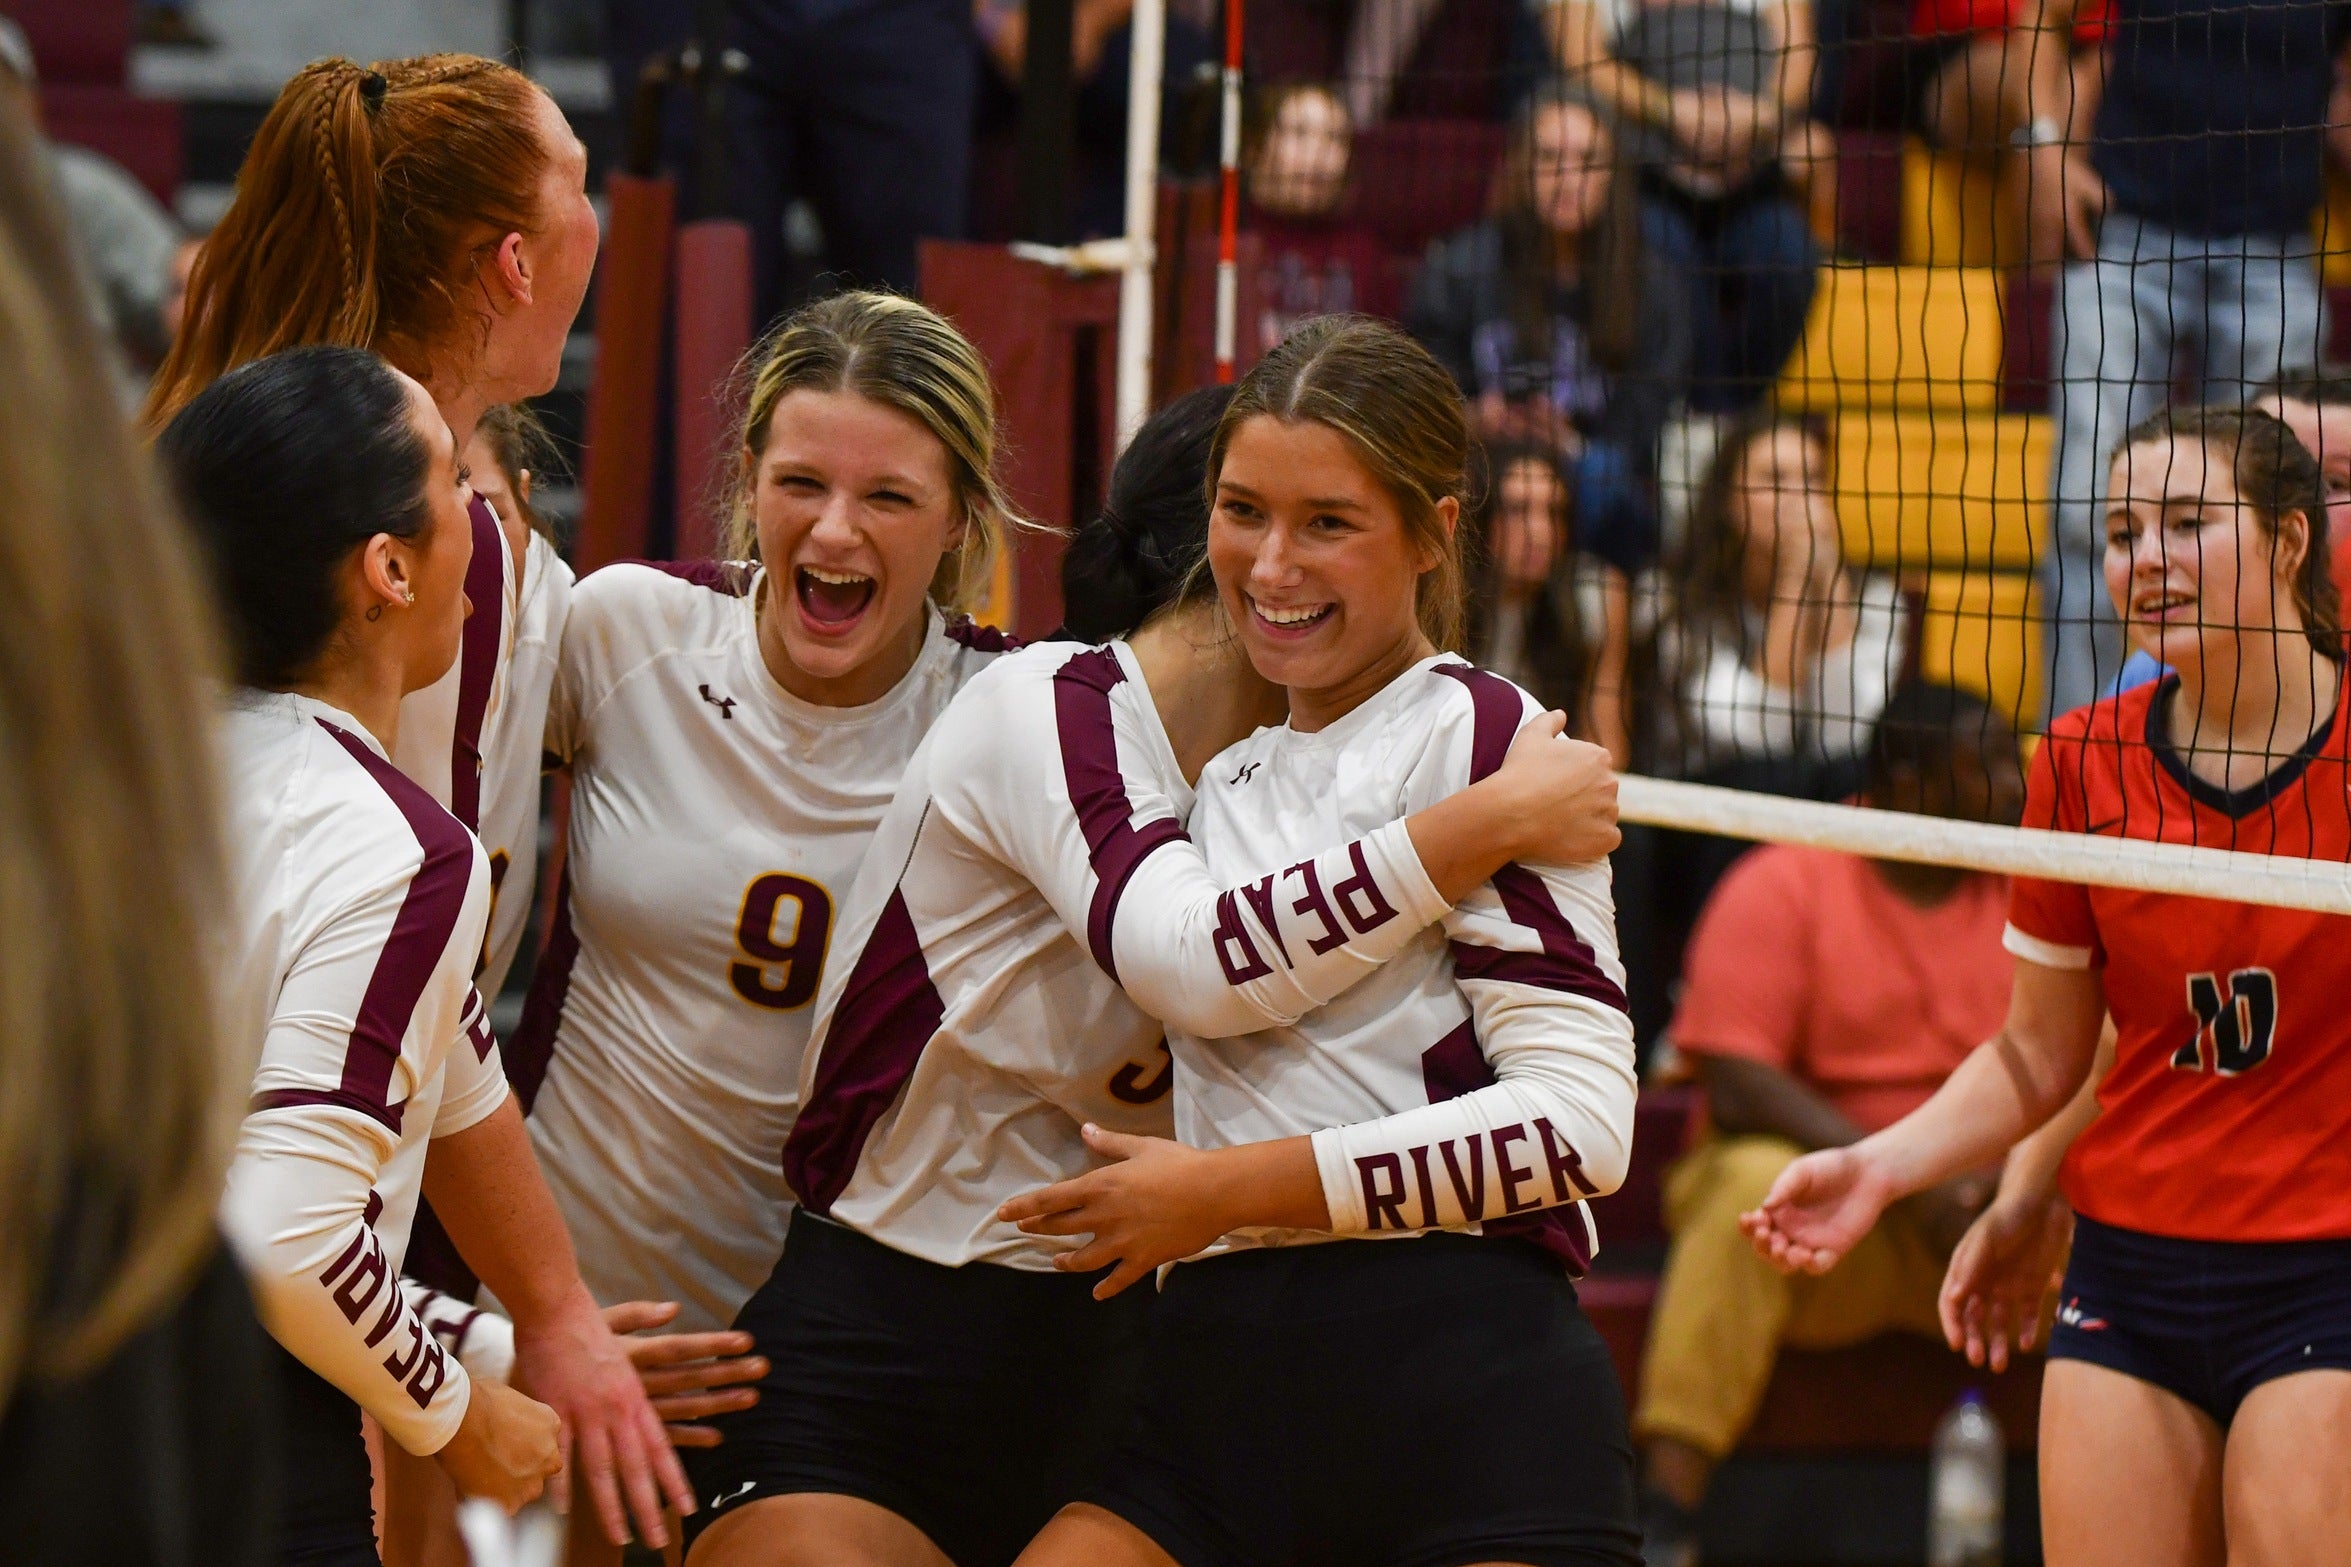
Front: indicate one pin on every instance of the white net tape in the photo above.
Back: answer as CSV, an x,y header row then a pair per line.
x,y
2135,863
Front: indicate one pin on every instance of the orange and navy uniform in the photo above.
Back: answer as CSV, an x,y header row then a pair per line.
x,y
2227,1114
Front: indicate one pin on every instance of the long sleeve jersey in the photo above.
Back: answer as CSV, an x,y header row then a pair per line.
x,y
1029,914
1483,1079
717,822
363,904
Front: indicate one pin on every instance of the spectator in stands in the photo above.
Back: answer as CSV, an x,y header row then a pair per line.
x,y
2317,408
1313,262
1548,616
1547,317
861,108
1970,71
2187,219
1824,996
1100,41
132,256
1778,656
1717,97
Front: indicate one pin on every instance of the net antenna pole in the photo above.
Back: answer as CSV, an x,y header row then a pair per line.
x,y
1147,32
1228,219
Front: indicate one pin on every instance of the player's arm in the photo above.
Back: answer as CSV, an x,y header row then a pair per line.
x,y
300,1203
1825,1202
1555,1127
1215,960
485,1185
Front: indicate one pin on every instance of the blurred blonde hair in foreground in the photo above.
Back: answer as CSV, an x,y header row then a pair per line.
x,y
117,1098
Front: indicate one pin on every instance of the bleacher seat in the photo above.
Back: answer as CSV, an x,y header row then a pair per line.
x,y
1416,179
1952,212
2331,228
1457,71
1981,631
1294,40
1929,489
1899,337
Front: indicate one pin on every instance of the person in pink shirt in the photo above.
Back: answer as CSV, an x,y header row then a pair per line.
x,y
1824,996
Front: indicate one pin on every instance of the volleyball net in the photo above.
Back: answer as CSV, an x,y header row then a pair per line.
x,y
1799,338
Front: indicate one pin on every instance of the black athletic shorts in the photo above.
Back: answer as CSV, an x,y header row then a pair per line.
x,y
2206,1321
1395,1403
973,1402
328,1517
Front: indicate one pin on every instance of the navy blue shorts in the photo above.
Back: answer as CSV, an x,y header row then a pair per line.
x,y
1394,1403
973,1402
2206,1321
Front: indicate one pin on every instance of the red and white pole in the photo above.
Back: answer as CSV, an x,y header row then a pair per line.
x,y
1228,223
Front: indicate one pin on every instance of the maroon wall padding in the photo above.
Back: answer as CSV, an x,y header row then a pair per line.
x,y
1413,180
713,329
144,135
1456,73
1026,319
624,398
76,41
1869,194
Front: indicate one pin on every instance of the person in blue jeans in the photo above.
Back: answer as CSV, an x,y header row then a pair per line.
x,y
862,108
2186,224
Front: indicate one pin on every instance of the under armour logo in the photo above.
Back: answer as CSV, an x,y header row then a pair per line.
x,y
1242,776
724,704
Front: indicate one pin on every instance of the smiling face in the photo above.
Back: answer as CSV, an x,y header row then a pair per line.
x,y
855,507
435,558
1567,167
1530,523
2191,569
1315,565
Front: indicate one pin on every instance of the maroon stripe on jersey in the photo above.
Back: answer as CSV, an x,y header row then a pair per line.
x,y
980,639
888,1012
533,1044
727,578
1455,1066
420,937
1566,962
477,661
1098,791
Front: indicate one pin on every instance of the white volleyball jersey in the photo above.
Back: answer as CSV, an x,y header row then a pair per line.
x,y
717,822
511,754
1485,1076
362,904
1034,863
442,727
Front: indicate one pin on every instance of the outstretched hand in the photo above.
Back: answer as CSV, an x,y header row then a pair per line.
x,y
1818,1211
2001,1273
1154,1203
688,1377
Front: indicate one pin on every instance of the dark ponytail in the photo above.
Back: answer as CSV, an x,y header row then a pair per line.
x,y
1137,557
284,467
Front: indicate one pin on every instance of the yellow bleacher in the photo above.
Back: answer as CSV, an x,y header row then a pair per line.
x,y
1945,491
1982,632
1952,214
1899,337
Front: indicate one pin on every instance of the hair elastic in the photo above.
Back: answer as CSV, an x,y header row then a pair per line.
x,y
372,88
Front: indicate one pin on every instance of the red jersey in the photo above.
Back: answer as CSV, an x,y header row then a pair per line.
x,y
2227,1115
1933,18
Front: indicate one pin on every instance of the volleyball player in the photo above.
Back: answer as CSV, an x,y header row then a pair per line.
x,y
733,732
436,210
328,494
1443,1119
509,449
2200,1367
938,1388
